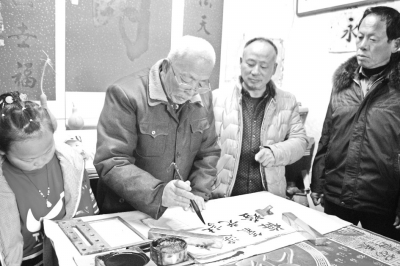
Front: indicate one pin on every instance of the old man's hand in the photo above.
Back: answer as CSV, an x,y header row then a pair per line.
x,y
177,193
265,157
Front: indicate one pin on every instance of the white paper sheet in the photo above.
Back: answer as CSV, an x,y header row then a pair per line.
x,y
217,210
230,217
115,232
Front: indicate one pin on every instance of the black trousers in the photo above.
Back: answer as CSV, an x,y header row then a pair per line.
x,y
378,223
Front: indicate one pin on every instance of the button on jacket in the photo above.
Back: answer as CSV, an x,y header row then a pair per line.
x,y
139,136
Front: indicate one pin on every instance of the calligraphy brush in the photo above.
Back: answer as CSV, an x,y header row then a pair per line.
x,y
192,202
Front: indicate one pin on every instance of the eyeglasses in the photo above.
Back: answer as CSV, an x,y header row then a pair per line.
x,y
200,88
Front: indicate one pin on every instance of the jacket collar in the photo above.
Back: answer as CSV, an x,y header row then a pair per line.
x,y
156,92
3,188
270,86
344,75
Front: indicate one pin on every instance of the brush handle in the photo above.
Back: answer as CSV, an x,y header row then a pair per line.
x,y
192,202
197,210
194,205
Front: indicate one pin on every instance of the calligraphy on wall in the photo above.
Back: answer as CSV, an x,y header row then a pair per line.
x,y
344,29
27,40
109,39
203,18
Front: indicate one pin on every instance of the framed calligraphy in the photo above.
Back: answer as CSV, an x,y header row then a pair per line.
x,y
344,29
311,7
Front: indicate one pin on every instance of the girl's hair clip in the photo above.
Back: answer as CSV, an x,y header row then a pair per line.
x,y
30,120
2,115
9,99
23,97
12,98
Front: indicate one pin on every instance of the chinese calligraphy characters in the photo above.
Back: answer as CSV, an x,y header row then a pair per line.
x,y
24,78
233,230
350,31
203,25
24,36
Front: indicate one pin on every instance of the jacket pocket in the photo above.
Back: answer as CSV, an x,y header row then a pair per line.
x,y
197,129
152,139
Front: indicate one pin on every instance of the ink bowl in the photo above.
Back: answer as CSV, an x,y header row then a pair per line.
x,y
168,251
130,257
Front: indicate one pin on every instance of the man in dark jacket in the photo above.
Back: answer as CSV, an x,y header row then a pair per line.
x,y
356,173
151,119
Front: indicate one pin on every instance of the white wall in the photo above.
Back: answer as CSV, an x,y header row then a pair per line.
x,y
308,65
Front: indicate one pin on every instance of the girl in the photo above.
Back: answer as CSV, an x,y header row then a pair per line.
x,y
38,180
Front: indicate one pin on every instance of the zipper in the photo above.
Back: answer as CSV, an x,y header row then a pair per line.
x,y
373,83
398,161
370,87
230,188
362,106
262,172
80,190
363,102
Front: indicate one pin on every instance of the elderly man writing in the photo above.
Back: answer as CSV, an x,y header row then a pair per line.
x,y
151,119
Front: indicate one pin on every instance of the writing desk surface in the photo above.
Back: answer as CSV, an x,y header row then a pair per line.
x,y
66,252
343,249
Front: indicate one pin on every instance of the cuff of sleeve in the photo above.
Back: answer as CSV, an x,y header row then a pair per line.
x,y
273,151
161,208
161,211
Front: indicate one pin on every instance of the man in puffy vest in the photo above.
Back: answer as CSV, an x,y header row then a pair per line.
x,y
258,125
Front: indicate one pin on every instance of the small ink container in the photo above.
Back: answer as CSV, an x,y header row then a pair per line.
x,y
168,251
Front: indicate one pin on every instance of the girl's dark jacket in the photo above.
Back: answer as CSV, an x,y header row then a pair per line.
x,y
358,158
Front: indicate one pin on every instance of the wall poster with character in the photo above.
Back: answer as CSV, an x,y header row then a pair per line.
x,y
203,19
344,27
106,40
27,47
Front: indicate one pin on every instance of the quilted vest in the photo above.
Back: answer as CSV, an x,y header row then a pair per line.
x,y
282,131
